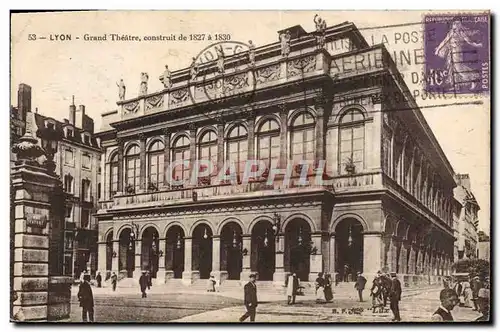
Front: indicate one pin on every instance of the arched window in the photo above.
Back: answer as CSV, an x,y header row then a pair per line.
x,y
352,141
237,148
180,152
113,175
302,138
207,150
268,142
155,161
133,163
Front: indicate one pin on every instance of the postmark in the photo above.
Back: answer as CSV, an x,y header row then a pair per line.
x,y
457,58
216,75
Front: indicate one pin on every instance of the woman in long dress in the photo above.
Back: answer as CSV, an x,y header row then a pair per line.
x,y
376,294
328,288
460,75
467,291
320,288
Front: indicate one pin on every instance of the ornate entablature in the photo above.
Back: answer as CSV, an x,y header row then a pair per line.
x,y
154,102
268,74
131,107
179,97
301,65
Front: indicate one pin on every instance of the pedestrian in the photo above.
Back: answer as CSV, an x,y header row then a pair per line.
x,y
483,304
386,283
250,300
449,300
211,284
86,299
292,288
328,288
376,294
346,273
395,297
476,285
143,283
114,280
320,288
98,278
467,291
360,285
459,291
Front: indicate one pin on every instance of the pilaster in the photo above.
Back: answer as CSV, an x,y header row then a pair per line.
x,y
166,158
142,156
246,268
121,143
283,135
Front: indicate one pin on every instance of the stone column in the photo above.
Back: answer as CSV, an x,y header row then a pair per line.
x,y
102,250
120,172
166,158
216,269
280,275
246,268
114,260
251,137
388,251
137,265
220,145
332,269
192,152
142,156
187,274
36,237
315,259
320,129
283,136
161,275
372,256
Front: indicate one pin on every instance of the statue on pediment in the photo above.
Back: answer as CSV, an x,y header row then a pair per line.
x,y
144,84
285,43
220,59
194,69
251,53
121,89
167,78
320,30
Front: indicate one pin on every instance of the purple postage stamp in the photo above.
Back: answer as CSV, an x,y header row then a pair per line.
x,y
457,53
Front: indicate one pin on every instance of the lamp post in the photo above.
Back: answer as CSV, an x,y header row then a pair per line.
x,y
134,231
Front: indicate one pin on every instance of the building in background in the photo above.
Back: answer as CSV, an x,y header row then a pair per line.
x,y
483,250
467,238
78,162
385,202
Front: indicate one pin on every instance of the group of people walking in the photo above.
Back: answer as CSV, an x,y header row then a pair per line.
x,y
473,293
386,287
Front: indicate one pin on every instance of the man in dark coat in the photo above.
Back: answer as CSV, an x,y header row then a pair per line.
x,y
114,280
395,297
250,299
86,299
98,278
449,300
143,283
360,285
483,304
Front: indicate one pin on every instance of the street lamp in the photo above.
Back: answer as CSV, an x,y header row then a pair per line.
x,y
154,248
134,231
266,239
178,244
299,238
235,241
205,235
349,240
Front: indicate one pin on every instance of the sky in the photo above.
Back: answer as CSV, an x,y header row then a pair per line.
x,y
89,70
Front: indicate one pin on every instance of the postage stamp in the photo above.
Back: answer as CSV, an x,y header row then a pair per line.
x,y
457,56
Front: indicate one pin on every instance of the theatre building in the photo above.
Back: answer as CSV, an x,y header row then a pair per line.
x,y
384,201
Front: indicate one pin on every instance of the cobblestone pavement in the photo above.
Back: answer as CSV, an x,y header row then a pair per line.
x,y
127,306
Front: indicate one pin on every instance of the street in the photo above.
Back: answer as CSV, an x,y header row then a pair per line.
x,y
177,306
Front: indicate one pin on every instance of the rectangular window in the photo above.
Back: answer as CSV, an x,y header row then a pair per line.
x,y
69,157
68,240
85,218
99,191
86,191
114,180
69,132
69,210
86,161
68,265
352,147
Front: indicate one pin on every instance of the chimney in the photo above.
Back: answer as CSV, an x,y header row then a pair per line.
x,y
80,114
72,111
23,100
463,180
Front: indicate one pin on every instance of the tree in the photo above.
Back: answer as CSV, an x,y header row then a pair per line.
x,y
474,267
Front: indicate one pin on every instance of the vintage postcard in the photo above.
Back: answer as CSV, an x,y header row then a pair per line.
x,y
241,166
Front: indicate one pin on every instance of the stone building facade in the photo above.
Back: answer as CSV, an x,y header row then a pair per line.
x,y
483,250
467,239
78,162
384,201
